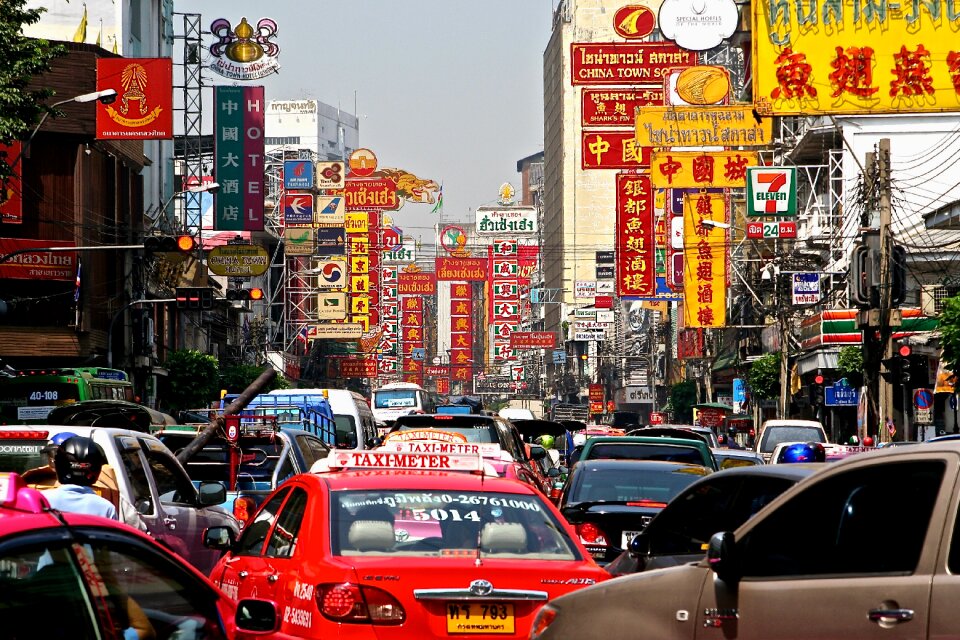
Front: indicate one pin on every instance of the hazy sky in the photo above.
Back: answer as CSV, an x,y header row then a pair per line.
x,y
446,89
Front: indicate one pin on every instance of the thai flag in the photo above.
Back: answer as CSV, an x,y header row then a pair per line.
x,y
76,289
304,332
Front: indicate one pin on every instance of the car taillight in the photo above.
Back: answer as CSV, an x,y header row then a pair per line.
x,y
647,503
542,621
24,435
555,493
590,534
243,510
346,602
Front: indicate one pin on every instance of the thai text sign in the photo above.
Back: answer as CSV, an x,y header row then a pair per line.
x,y
616,107
626,63
238,148
358,368
339,331
732,126
143,109
366,194
402,253
612,150
416,284
806,288
512,220
533,340
772,191
705,261
238,260
461,269
780,229
635,247
687,169
38,265
828,56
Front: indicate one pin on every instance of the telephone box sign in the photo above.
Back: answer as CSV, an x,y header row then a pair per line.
x,y
615,107
143,109
238,148
772,191
244,52
598,63
604,149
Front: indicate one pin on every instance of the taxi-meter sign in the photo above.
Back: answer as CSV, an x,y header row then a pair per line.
x,y
486,449
396,460
771,191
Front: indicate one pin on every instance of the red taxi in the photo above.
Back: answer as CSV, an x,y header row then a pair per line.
x,y
392,544
66,575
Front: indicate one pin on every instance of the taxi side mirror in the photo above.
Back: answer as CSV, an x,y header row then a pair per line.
x,y
373,443
553,472
257,616
722,557
221,538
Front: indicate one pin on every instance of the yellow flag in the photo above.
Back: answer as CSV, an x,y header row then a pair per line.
x,y
795,383
100,34
115,45
81,34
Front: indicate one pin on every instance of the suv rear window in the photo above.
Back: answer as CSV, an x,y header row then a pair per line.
x,y
772,436
639,451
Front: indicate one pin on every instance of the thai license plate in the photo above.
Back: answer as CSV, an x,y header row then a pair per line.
x,y
627,537
480,617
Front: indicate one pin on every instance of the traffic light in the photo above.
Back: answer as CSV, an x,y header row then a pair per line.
x,y
898,276
894,368
860,276
170,244
195,297
244,294
816,389
904,353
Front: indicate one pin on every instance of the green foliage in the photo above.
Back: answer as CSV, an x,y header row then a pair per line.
x,y
194,380
850,365
764,377
950,332
683,396
21,59
238,377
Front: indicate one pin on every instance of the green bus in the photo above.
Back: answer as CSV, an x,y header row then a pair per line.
x,y
28,396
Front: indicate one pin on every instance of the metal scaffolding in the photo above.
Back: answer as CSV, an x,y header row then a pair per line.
x,y
192,87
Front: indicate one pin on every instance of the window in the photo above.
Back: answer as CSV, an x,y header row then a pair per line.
x,y
283,540
137,476
318,449
255,534
846,524
346,431
173,485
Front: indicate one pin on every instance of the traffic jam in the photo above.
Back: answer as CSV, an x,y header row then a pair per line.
x,y
450,525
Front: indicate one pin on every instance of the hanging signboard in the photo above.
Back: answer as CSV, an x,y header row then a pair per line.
x,y
297,174
772,191
416,284
635,242
776,229
705,261
615,107
330,175
238,148
725,126
599,63
238,260
515,220
612,150
461,269
371,194
244,52
841,394
533,340
297,209
143,109
329,211
706,169
336,331
298,241
806,288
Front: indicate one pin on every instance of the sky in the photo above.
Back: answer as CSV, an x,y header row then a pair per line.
x,y
450,90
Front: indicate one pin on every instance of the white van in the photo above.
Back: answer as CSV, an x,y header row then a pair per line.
x,y
399,399
356,427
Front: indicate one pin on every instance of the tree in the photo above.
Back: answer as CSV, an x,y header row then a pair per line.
x,y
764,376
194,380
950,332
238,377
683,396
850,365
21,60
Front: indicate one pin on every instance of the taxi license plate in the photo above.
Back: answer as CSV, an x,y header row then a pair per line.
x,y
480,617
627,537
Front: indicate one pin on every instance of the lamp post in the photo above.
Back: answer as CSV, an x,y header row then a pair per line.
x,y
208,187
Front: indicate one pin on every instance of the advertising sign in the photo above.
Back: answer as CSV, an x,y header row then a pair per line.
x,y
806,288
698,26
298,241
358,368
772,191
449,269
404,253
600,63
369,194
584,288
143,109
705,261
493,384
615,107
606,272
533,340
726,126
297,209
298,174
338,331
238,148
612,150
38,265
238,260
11,198
330,175
843,59
778,229
331,274
331,241
635,242
329,211
605,257
416,284
692,169
606,287
331,306
596,393
244,52
700,85
634,21
514,220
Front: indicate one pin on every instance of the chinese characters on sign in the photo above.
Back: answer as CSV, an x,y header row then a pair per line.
x,y
635,241
687,169
705,261
615,107
238,127
612,150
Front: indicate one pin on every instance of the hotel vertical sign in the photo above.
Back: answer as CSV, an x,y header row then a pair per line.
x,y
238,129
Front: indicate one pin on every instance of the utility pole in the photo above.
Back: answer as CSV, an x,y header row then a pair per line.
x,y
885,394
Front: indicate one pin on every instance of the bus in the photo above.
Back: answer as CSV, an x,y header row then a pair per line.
x,y
399,399
28,396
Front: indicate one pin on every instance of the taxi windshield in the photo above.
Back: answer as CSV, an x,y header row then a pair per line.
x,y
446,524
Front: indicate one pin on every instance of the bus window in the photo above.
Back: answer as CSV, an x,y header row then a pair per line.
x,y
29,396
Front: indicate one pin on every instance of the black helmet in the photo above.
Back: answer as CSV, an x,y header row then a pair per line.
x,y
78,461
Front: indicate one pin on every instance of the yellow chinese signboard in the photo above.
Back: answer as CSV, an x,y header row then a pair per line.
x,y
724,126
839,57
356,222
704,260
692,169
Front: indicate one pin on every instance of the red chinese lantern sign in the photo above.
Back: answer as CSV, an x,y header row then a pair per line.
x,y
636,260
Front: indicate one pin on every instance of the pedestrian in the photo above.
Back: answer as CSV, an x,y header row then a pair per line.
x,y
78,461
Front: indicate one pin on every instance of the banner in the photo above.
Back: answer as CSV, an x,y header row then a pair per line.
x,y
692,169
725,126
705,261
635,241
238,148
143,109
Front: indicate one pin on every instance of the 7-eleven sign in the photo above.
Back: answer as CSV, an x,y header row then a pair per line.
x,y
518,373
771,191
505,247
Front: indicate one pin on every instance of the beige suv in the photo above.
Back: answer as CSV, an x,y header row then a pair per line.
x,y
865,548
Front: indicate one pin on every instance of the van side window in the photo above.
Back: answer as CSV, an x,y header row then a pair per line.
x,y
844,525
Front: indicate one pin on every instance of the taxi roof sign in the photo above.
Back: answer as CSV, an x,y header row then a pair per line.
x,y
485,449
15,494
380,459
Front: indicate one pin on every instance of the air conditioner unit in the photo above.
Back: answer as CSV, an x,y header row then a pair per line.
x,y
931,298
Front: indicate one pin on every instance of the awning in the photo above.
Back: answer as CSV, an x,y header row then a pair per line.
x,y
726,360
820,359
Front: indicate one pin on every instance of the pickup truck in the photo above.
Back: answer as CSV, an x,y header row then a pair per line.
x,y
143,479
866,548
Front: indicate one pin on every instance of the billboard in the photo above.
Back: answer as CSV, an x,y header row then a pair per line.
x,y
238,147
635,242
724,126
601,63
513,220
705,261
707,169
143,109
38,264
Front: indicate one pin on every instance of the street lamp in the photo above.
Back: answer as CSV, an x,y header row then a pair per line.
x,y
207,187
106,96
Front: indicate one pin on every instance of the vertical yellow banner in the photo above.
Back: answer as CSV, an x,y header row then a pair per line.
x,y
704,260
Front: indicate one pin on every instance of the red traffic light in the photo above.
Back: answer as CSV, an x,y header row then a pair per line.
x,y
818,379
186,243
905,351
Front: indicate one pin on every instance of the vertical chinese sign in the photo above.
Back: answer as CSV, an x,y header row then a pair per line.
x,y
461,331
504,296
389,363
238,130
635,237
358,242
705,260
411,327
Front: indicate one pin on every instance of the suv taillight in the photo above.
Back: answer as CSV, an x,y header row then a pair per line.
x,y
346,602
591,534
243,510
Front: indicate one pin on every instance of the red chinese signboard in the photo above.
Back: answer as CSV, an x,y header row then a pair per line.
x,y
460,308
635,237
416,284
413,304
11,198
461,292
365,194
612,150
533,340
615,107
596,393
358,368
596,407
461,269
443,385
37,265
143,109
690,344
600,63
603,302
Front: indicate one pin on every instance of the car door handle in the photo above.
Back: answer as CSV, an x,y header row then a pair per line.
x,y
170,522
890,615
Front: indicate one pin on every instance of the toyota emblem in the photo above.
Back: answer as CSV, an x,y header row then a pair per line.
x,y
481,588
